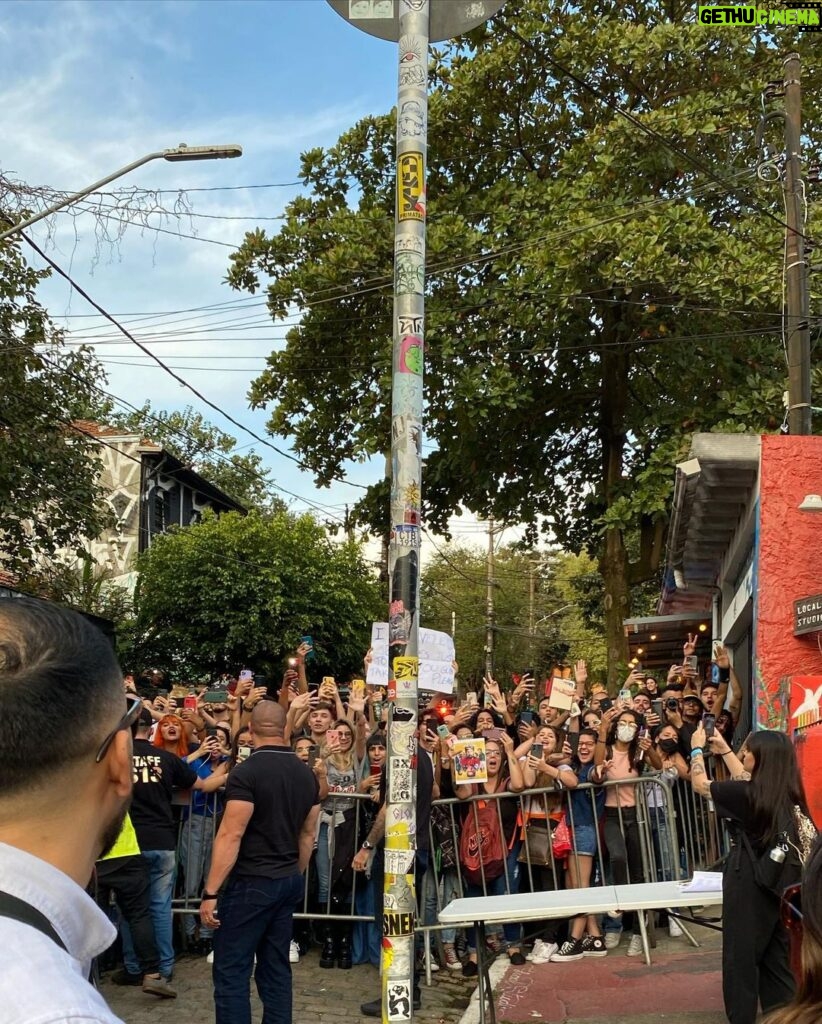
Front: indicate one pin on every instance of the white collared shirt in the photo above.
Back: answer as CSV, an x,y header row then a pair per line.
x,y
40,983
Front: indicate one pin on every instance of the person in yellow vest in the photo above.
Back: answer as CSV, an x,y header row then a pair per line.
x,y
123,872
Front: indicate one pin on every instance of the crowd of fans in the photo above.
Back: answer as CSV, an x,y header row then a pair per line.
x,y
562,792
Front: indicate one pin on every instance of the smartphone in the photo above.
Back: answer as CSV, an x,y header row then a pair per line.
x,y
375,770
709,725
492,734
536,750
310,641
606,704
472,699
573,741
313,754
529,672
190,703
656,706
549,684
715,674
215,696
211,730
488,700
625,695
245,675
292,662
243,753
357,688
527,717
443,732
690,661
332,736
377,710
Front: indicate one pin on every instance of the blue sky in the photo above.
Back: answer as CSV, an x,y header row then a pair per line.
x,y
86,87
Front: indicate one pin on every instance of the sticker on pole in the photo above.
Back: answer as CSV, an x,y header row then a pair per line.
x,y
399,1000
399,780
410,188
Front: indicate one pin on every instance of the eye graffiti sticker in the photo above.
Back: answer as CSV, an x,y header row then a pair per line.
x,y
411,354
410,187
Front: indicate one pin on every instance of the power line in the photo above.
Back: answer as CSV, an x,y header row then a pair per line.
x,y
180,380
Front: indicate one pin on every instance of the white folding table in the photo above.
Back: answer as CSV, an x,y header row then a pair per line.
x,y
537,906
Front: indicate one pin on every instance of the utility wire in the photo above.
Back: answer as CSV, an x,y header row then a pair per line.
x,y
180,380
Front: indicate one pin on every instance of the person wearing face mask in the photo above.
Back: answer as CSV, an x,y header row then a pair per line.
x,y
621,754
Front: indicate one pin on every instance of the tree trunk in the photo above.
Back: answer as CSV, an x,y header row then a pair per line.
x,y
613,563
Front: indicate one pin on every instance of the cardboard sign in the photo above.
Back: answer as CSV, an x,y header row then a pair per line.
x,y
436,655
563,692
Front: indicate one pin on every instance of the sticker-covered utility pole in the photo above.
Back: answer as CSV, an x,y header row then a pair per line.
x,y
412,24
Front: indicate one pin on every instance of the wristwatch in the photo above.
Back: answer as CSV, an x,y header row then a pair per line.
x,y
208,896
367,846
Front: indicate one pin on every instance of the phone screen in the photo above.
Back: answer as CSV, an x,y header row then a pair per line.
x,y
243,753
190,703
709,724
492,734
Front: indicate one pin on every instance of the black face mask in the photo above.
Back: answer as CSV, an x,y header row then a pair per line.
x,y
669,746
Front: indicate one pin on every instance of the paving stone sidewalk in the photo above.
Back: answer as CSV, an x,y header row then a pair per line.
x,y
320,997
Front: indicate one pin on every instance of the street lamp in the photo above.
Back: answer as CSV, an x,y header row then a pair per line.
x,y
177,154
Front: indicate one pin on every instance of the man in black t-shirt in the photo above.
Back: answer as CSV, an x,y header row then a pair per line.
x,y
156,774
263,847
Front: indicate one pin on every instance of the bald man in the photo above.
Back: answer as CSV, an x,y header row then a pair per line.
x,y
256,877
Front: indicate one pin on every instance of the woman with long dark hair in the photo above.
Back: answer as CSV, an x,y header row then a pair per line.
x,y
622,751
803,909
761,803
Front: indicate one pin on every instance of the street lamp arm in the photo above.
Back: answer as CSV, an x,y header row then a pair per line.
x,y
179,153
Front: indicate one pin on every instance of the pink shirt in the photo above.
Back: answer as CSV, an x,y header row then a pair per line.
x,y
620,796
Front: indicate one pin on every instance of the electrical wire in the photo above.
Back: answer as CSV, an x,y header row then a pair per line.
x,y
180,380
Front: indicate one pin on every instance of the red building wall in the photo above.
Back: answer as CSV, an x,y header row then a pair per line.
x,y
789,567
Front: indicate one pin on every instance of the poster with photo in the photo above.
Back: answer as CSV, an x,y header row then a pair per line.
x,y
468,758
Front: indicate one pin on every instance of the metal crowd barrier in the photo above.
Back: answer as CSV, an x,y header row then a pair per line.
x,y
678,833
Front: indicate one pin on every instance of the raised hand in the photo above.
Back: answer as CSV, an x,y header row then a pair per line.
x,y
581,672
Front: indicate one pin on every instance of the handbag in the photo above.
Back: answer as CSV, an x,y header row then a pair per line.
x,y
561,839
535,848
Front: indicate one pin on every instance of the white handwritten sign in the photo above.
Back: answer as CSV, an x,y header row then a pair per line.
x,y
436,657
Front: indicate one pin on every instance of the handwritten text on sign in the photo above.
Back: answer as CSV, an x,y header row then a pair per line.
x,y
436,656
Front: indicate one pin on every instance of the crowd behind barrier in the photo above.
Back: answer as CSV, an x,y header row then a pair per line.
x,y
679,834
612,807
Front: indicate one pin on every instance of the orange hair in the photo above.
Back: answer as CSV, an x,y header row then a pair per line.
x,y
182,743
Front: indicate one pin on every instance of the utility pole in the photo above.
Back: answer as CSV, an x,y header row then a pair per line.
x,y
797,328
489,603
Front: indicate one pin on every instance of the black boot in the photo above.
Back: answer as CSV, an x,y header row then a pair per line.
x,y
344,961
328,956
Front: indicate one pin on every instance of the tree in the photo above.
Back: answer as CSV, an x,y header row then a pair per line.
x,y
603,276
205,448
528,586
49,496
241,590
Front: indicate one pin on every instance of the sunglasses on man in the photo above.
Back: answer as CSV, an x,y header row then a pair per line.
x,y
134,706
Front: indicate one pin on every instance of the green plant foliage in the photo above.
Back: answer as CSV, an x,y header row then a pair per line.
x,y
49,497
594,294
241,590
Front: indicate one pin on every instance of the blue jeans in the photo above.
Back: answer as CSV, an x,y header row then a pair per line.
x,y
256,917
162,870
196,841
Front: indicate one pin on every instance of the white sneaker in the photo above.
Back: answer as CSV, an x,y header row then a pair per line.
x,y
536,951
294,952
547,951
612,939
210,957
674,929
635,946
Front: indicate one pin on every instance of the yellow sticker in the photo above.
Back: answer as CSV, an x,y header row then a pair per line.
x,y
406,668
410,201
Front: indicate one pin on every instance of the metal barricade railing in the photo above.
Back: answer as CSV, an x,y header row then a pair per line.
x,y
676,831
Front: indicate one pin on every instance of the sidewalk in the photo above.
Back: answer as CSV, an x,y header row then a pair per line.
x,y
683,985
320,996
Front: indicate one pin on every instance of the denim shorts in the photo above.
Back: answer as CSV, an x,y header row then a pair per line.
x,y
585,839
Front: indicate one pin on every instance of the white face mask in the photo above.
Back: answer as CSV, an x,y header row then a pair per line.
x,y
625,732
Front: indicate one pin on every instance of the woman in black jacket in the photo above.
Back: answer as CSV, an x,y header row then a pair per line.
x,y
760,803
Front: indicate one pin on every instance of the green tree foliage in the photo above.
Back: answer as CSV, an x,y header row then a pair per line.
x,y
544,588
49,497
205,448
241,590
600,286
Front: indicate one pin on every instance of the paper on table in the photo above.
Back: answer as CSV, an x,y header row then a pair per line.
x,y
703,881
